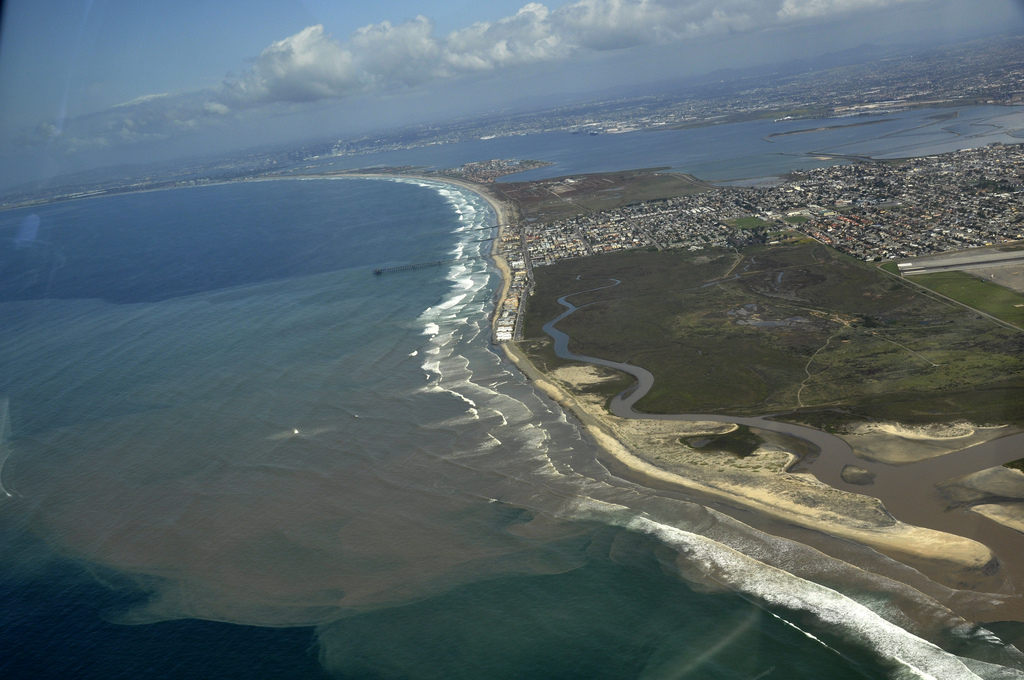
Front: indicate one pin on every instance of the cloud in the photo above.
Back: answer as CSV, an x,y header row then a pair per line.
x,y
528,36
806,9
311,65
389,55
303,67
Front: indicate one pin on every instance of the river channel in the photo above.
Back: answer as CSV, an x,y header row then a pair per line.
x,y
907,491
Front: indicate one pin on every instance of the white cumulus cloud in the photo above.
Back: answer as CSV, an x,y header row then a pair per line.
x,y
528,36
312,65
403,54
307,66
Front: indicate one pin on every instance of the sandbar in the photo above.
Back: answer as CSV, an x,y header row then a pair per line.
x,y
898,444
996,493
761,483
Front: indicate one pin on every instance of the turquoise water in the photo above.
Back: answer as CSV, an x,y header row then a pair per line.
x,y
229,450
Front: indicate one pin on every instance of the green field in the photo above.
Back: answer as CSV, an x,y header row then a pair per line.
x,y
982,295
786,328
892,268
748,223
797,219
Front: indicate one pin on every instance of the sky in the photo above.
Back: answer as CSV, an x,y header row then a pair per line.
x,y
87,83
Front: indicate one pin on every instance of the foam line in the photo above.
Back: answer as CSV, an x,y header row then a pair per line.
x,y
777,588
4,450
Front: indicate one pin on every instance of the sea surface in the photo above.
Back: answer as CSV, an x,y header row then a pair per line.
x,y
228,450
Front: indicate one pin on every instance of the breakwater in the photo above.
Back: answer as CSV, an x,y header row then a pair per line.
x,y
417,265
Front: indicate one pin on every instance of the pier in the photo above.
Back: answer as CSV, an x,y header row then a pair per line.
x,y
418,265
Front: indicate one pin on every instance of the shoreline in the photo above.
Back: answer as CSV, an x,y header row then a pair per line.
x,y
950,559
502,209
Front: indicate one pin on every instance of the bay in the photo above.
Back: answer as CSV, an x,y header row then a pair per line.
x,y
727,152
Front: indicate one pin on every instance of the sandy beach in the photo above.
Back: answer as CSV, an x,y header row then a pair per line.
x,y
896,444
640,447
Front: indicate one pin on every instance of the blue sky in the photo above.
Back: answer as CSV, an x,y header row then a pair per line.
x,y
87,82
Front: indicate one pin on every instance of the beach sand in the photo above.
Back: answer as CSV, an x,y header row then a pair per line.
x,y
896,444
996,493
648,451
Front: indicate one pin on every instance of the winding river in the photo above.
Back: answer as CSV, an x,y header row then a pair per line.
x,y
908,491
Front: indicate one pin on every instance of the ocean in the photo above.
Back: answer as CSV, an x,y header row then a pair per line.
x,y
227,449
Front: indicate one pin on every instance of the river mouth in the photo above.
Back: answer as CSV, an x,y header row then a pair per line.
x,y
908,492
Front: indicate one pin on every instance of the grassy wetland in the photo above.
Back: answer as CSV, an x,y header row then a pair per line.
x,y
795,328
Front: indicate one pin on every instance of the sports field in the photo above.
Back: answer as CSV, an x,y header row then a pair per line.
x,y
978,293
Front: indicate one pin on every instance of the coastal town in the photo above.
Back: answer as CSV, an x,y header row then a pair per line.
x,y
876,211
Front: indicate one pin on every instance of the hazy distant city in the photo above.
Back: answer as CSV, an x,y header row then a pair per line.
x,y
979,72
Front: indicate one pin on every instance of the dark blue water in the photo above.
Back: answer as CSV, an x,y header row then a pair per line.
x,y
228,450
56,624
155,246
